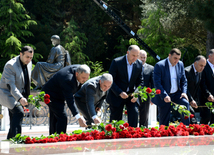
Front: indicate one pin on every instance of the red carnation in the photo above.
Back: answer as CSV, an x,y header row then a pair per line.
x,y
191,116
186,117
126,112
158,91
46,96
47,101
108,127
113,129
126,124
148,90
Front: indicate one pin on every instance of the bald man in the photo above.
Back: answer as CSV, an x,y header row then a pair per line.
x,y
127,76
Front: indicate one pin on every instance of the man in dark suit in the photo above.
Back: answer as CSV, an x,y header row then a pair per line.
x,y
62,87
148,82
193,75
127,76
169,77
207,89
91,96
15,88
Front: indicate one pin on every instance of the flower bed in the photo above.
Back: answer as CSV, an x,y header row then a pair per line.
x,y
116,130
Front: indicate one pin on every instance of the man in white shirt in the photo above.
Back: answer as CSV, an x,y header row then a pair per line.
x,y
169,77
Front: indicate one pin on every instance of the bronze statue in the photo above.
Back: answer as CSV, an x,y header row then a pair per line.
x,y
57,59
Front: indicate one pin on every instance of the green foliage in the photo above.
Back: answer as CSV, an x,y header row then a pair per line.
x,y
74,41
203,10
210,106
35,100
18,139
122,47
182,109
156,35
14,24
96,68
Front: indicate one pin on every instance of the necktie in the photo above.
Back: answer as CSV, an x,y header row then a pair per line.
x,y
196,77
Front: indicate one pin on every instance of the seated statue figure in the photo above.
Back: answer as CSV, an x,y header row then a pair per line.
x,y
57,59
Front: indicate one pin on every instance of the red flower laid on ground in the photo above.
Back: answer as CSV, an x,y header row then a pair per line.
x,y
108,127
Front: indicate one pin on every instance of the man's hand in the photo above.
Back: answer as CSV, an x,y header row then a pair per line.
x,y
185,96
82,122
97,109
123,95
210,98
97,120
151,103
193,104
167,99
23,101
133,100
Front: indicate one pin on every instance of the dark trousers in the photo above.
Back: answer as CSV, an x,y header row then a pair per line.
x,y
84,111
164,111
132,110
16,116
58,117
192,120
207,117
144,112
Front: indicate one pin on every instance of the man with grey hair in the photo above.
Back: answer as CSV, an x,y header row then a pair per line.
x,y
193,75
62,87
207,89
127,75
91,96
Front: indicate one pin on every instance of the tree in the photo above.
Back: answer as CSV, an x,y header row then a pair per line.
x,y
203,10
75,41
13,28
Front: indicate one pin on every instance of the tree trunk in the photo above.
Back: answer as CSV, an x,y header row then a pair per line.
x,y
210,42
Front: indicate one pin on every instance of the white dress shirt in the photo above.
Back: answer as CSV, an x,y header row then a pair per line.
x,y
211,65
173,77
129,70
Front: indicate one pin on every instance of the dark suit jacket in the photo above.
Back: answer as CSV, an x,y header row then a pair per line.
x,y
193,87
118,70
148,75
62,86
148,78
162,80
91,95
207,84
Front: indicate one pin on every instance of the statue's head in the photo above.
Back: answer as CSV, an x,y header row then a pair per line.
x,y
55,39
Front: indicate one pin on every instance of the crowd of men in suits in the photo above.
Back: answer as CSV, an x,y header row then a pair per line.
x,y
184,86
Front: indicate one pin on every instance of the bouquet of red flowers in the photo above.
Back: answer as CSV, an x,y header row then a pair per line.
x,y
145,92
34,100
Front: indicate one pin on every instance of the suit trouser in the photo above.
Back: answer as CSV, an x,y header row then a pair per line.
x,y
58,117
206,116
82,107
144,112
132,110
16,116
164,111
